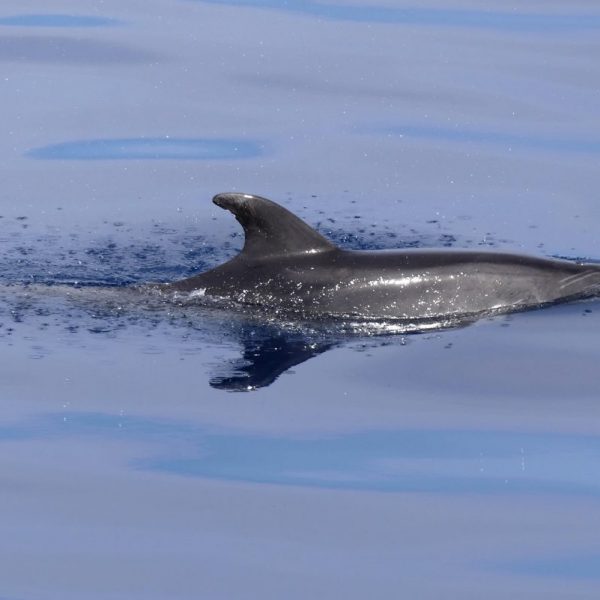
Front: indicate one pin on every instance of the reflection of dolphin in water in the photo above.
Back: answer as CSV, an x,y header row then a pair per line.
x,y
266,355
76,315
286,266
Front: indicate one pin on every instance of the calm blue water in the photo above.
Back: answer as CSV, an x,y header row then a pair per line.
x,y
169,452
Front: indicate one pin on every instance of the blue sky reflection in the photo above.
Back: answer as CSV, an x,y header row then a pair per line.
x,y
162,148
511,21
443,461
576,567
56,20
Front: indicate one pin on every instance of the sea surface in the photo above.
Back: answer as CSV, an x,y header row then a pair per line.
x,y
154,451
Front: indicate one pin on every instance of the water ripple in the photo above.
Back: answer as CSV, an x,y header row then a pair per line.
x,y
481,19
510,141
56,49
438,461
575,567
164,148
57,20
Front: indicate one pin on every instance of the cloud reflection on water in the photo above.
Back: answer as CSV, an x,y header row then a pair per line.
x,y
428,460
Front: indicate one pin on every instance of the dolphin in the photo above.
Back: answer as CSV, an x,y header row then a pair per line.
x,y
287,267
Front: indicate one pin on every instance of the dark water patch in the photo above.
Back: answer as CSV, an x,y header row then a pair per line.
x,y
580,259
393,239
507,141
58,50
57,20
164,148
124,258
542,23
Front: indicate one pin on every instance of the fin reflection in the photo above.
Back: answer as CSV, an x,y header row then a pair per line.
x,y
266,355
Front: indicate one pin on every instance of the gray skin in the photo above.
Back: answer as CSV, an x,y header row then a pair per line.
x,y
286,266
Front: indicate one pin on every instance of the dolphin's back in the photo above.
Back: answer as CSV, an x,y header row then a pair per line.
x,y
286,265
434,284
413,284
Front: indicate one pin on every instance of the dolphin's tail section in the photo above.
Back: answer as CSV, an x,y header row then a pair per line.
x,y
270,229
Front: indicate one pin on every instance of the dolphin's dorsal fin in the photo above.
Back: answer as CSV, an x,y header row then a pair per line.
x,y
270,229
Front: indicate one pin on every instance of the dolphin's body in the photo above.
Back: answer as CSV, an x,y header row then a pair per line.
x,y
286,266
